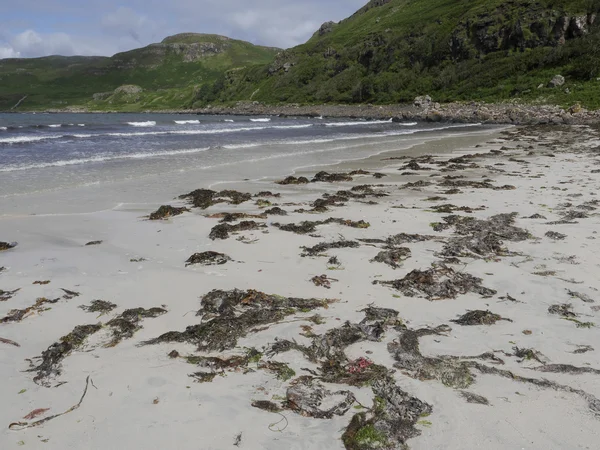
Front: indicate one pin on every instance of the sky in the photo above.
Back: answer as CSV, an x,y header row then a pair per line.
x,y
32,28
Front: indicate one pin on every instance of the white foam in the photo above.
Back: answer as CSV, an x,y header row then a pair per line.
x,y
55,126
81,124
261,120
149,123
102,158
408,124
362,122
228,120
186,122
22,139
3,128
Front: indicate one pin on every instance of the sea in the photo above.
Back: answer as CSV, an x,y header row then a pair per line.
x,y
78,162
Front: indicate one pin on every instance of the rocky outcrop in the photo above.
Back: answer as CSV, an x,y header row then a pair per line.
x,y
326,28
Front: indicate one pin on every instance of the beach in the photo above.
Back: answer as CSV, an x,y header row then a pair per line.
x,y
451,305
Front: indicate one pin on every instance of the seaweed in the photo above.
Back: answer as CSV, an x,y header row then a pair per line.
x,y
322,281
470,397
307,397
475,185
583,297
479,317
566,368
167,211
438,283
231,315
319,249
331,177
449,209
126,324
308,227
93,243
17,315
281,370
57,352
203,377
394,257
267,194
205,198
405,238
276,212
416,185
7,295
7,246
209,258
262,203
234,217
222,231
266,405
41,283
69,295
99,306
293,180
556,236
565,310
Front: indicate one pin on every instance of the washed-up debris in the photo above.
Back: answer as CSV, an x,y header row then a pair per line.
x,y
564,310
167,211
566,368
234,217
293,180
569,216
359,172
379,175
309,398
41,283
209,258
205,198
331,177
414,165
475,185
268,406
449,209
54,355
281,370
7,246
583,297
581,349
536,216
323,281
126,324
267,194
9,342
438,283
93,243
529,354
416,185
308,227
277,211
391,421
470,397
482,238
405,238
24,425
321,248
479,317
203,377
99,306
393,258
7,295
2,269
230,315
222,231
262,203
556,236
36,413
17,315
69,295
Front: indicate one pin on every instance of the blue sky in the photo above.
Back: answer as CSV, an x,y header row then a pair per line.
x,y
30,28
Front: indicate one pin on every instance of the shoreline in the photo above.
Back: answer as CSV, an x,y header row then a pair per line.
x,y
522,374
458,112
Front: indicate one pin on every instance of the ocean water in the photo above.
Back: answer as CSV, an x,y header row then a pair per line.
x,y
137,157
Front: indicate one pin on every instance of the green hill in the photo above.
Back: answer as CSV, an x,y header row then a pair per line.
x,y
391,51
159,76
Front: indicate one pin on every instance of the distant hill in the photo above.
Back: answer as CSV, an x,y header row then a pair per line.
x,y
163,75
391,51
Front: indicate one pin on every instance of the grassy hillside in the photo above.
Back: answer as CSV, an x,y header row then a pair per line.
x,y
393,50
169,75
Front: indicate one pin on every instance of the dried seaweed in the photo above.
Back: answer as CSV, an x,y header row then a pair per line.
x,y
222,231
231,315
167,211
566,368
17,315
69,295
393,258
266,405
205,198
276,212
556,236
470,397
583,297
7,295
307,397
438,283
9,342
475,185
7,246
331,177
281,370
479,317
54,355
209,258
308,227
323,281
565,310
293,180
234,217
319,249
91,243
99,306
126,324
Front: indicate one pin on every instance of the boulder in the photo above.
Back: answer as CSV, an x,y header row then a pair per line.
x,y
423,101
557,81
327,27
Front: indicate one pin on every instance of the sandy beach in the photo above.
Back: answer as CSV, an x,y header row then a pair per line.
x,y
453,304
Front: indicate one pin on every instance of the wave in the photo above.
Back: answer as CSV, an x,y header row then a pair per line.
x,y
3,128
55,126
408,124
102,158
149,123
229,120
266,119
186,122
81,124
24,139
362,122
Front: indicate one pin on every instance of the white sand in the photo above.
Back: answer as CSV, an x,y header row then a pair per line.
x,y
119,410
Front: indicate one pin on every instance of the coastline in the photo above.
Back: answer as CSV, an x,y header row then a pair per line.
x,y
457,379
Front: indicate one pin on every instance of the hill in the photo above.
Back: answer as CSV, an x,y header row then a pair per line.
x,y
391,51
159,76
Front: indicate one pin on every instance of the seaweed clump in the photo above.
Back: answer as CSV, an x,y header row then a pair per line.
x,y
438,283
54,355
209,258
126,324
230,315
308,397
99,306
276,211
205,198
331,177
6,246
222,231
166,211
308,227
319,249
17,315
479,318
394,257
7,295
293,180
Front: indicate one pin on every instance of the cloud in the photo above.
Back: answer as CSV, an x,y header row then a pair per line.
x,y
30,43
126,22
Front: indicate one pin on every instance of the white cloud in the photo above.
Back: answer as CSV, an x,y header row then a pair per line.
x,y
8,52
126,22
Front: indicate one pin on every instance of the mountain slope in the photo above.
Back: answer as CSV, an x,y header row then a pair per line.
x,y
163,75
393,50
